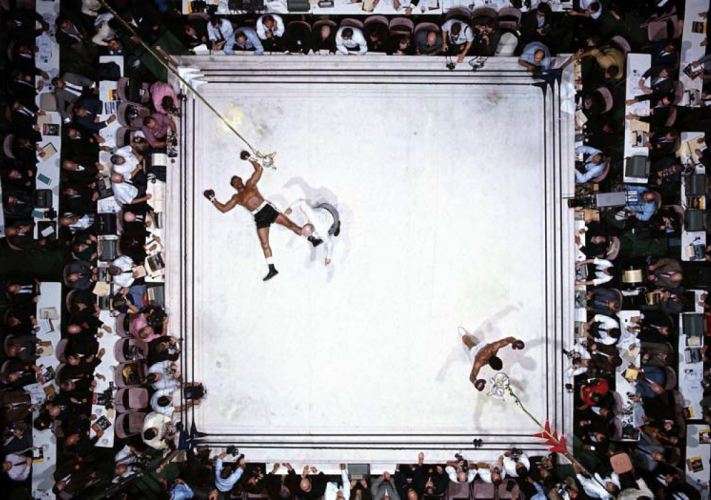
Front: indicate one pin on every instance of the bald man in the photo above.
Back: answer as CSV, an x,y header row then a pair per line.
x,y
483,354
311,487
249,197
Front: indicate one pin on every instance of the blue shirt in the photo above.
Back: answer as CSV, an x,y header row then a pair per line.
x,y
529,51
225,485
181,491
592,170
644,209
252,42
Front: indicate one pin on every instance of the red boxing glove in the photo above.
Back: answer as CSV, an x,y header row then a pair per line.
x,y
244,155
479,384
518,345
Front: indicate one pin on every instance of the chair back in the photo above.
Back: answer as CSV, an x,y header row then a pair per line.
x,y
48,101
7,146
678,92
604,172
427,26
606,98
60,351
401,25
509,18
621,44
351,23
460,13
484,12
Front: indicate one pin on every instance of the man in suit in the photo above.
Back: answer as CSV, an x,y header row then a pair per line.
x,y
24,115
67,90
22,87
664,53
665,273
86,114
83,144
72,36
536,25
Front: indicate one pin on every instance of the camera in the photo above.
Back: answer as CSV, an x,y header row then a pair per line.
x,y
232,450
451,66
156,317
461,462
135,353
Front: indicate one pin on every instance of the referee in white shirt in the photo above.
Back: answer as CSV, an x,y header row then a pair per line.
x,y
325,220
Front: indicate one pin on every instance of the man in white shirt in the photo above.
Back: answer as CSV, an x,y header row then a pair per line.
x,y
222,35
351,41
343,492
157,430
604,271
270,30
164,375
588,8
592,488
167,402
606,330
126,161
126,191
122,270
457,474
225,478
17,467
457,38
326,223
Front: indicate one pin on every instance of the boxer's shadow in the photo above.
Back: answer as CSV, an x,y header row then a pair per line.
x,y
522,359
460,352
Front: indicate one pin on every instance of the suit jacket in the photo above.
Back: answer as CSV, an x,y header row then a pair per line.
x,y
529,27
24,91
65,97
66,40
666,266
27,345
273,483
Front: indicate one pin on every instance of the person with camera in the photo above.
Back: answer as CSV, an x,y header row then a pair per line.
x,y
459,471
158,431
164,375
282,486
483,354
382,488
343,492
227,475
516,463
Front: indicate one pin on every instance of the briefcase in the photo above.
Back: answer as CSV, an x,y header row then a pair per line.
x,y
105,224
694,220
103,186
621,463
107,249
43,198
298,5
695,185
614,199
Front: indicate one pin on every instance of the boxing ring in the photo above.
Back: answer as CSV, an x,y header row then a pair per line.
x,y
450,186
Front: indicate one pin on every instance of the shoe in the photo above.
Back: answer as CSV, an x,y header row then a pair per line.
x,y
338,229
462,331
272,272
315,241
